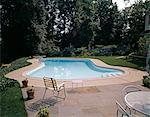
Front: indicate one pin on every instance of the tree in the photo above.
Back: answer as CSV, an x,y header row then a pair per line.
x,y
94,22
80,25
23,27
136,17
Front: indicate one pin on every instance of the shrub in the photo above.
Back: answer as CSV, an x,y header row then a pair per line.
x,y
55,53
95,52
100,50
69,51
146,81
122,50
44,112
6,83
81,51
142,46
107,50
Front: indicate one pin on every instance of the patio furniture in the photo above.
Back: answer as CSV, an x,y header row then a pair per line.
x,y
129,89
139,101
121,112
50,83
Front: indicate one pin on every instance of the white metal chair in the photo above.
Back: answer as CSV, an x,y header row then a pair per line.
x,y
121,112
128,89
50,83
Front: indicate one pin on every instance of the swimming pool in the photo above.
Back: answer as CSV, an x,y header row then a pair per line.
x,y
67,69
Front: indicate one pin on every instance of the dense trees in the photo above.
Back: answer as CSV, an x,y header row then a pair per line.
x,y
23,27
30,27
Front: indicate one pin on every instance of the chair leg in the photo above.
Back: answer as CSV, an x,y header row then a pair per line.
x,y
44,93
58,93
126,107
64,93
117,113
55,95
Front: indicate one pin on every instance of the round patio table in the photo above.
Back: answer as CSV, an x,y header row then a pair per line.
x,y
139,101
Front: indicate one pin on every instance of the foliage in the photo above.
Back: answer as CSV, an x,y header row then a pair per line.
x,y
97,51
44,111
122,50
146,81
136,15
21,62
24,24
55,53
6,83
50,26
47,47
10,93
94,21
108,50
142,46
12,103
69,51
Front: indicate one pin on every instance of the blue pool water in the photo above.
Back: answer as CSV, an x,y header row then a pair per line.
x,y
72,69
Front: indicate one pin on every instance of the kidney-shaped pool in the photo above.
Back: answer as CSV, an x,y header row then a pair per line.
x,y
67,69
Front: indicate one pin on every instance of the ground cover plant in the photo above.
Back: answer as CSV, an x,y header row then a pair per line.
x,y
146,81
11,100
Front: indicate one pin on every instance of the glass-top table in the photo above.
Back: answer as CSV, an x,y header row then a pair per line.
x,y
139,101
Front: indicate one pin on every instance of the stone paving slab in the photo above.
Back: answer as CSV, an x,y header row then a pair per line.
x,y
85,104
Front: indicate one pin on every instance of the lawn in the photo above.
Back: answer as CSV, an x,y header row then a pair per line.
x,y
11,100
12,104
122,61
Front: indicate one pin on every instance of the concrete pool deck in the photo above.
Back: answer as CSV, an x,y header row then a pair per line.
x,y
130,75
96,98
96,101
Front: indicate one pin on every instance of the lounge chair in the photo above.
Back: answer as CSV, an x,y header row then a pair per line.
x,y
51,84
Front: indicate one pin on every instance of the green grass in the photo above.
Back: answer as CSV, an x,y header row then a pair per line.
x,y
136,63
12,104
21,62
11,100
125,62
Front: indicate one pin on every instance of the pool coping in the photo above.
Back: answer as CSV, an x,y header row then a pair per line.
x,y
130,75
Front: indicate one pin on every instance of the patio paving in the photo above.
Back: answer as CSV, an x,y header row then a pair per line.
x,y
97,101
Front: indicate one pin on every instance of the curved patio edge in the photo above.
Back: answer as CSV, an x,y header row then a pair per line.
x,y
130,75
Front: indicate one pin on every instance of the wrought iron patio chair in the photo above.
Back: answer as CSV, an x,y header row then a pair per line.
x,y
121,112
51,84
